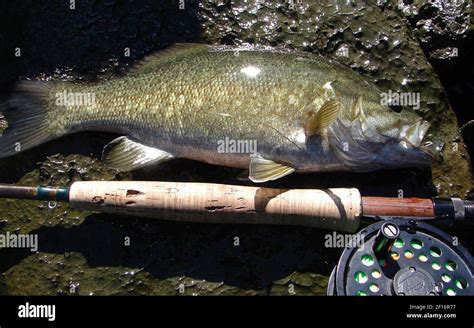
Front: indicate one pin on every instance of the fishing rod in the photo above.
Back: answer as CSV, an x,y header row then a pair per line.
x,y
338,209
399,254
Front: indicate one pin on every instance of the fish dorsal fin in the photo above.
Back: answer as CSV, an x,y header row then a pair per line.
x,y
126,155
151,62
262,170
323,118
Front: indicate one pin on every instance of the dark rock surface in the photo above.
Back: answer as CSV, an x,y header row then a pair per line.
x,y
396,44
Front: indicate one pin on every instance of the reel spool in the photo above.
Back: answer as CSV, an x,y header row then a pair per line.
x,y
403,257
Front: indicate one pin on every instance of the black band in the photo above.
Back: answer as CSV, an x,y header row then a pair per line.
x,y
443,208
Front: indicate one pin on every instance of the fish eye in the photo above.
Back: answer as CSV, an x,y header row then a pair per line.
x,y
396,108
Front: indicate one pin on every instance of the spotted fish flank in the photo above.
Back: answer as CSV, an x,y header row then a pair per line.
x,y
307,113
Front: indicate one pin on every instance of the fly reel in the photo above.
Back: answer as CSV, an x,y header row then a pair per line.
x,y
403,257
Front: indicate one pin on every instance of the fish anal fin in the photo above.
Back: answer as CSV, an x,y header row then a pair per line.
x,y
243,176
262,170
125,155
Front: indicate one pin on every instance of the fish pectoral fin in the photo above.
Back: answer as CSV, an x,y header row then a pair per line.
x,y
262,170
124,154
323,118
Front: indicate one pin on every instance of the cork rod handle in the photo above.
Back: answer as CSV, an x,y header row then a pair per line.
x,y
335,209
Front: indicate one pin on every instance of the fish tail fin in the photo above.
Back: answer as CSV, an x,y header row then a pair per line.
x,y
32,117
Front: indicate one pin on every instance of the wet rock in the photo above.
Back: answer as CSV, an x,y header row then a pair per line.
x,y
379,39
437,23
445,32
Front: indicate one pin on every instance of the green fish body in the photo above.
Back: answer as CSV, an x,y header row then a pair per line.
x,y
270,111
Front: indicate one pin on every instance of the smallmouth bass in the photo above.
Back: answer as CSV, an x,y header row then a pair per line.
x,y
300,112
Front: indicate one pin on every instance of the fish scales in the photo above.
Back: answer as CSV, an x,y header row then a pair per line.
x,y
300,109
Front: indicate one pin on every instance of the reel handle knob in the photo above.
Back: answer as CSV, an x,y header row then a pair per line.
x,y
386,236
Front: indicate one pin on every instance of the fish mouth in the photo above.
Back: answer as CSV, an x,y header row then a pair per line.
x,y
432,150
362,148
413,134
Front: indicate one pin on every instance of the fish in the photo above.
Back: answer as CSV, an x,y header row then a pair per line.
x,y
300,112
